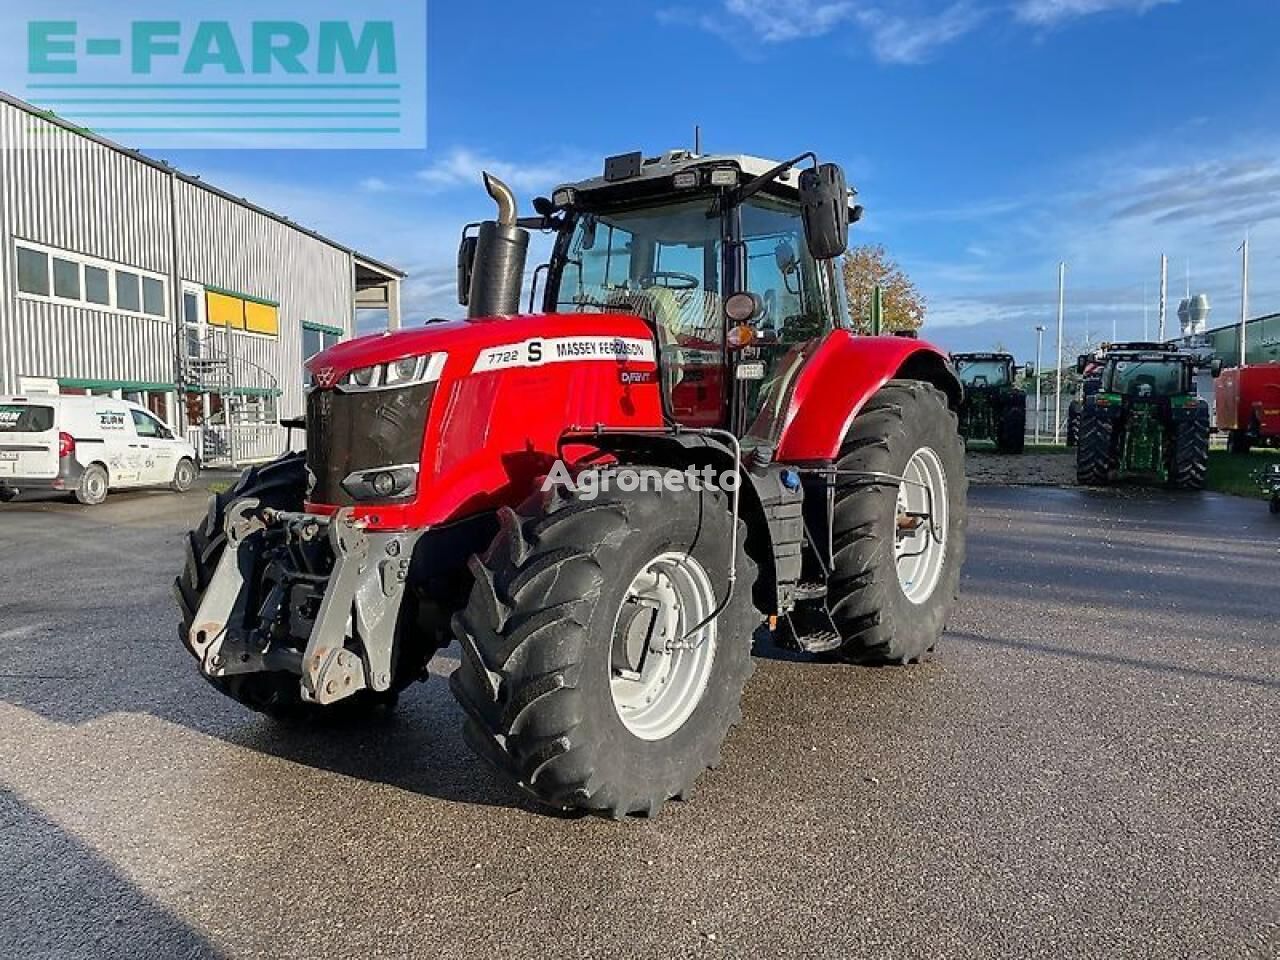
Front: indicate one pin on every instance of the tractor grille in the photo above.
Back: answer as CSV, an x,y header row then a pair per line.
x,y
354,431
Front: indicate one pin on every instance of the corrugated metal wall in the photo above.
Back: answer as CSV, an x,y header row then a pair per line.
x,y
67,191
222,244
64,190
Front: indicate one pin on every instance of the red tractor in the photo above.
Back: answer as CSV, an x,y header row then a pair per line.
x,y
601,500
1247,400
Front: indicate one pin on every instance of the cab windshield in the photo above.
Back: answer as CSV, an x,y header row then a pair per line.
x,y
666,263
983,373
1144,378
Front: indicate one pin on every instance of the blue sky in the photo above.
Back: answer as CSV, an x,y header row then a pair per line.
x,y
989,139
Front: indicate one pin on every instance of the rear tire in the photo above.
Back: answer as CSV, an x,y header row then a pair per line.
x,y
1073,425
184,475
1012,432
545,646
876,619
93,486
1093,455
1191,452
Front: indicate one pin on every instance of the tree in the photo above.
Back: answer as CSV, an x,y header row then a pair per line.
x,y
866,266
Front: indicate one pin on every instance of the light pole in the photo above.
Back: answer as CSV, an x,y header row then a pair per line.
x,y
1062,308
1244,295
1039,376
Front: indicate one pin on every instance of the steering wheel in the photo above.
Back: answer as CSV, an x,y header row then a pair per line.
x,y
669,280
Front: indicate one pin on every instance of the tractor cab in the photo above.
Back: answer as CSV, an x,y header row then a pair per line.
x,y
979,371
731,260
1148,375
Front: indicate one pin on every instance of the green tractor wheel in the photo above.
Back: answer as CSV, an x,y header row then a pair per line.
x,y
1191,452
1094,455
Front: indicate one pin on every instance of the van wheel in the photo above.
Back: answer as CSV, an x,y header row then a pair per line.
x,y
184,476
92,489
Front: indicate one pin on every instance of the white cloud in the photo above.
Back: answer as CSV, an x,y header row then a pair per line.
x,y
777,21
374,185
897,32
899,39
461,167
1046,13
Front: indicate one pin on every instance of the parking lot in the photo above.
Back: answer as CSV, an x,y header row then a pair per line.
x,y
1089,766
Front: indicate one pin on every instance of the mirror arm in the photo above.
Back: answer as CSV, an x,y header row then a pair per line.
x,y
752,187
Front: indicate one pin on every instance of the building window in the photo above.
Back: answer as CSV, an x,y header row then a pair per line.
x,y
33,271
97,286
66,279
152,297
127,295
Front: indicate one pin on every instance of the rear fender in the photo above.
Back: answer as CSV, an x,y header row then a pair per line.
x,y
840,377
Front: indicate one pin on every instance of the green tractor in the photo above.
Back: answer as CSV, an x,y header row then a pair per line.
x,y
1145,421
995,407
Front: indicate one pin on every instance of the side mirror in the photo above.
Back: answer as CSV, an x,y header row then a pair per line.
x,y
1215,367
466,266
1080,364
824,201
784,255
1031,370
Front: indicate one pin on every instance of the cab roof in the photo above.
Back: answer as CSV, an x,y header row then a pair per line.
x,y
633,174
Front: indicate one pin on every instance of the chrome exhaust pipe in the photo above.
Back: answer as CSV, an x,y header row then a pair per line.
x,y
501,249
503,197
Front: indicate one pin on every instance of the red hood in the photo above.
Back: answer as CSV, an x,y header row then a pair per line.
x,y
464,339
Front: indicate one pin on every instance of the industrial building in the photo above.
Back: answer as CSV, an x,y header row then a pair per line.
x,y
121,275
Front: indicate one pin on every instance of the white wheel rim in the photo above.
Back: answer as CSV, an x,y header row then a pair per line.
x,y
96,486
657,679
920,545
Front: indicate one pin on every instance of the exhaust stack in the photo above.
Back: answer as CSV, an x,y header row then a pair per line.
x,y
501,249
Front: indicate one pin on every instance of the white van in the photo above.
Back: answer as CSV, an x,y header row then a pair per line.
x,y
86,446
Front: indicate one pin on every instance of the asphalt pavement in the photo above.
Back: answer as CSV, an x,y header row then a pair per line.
x,y
1089,766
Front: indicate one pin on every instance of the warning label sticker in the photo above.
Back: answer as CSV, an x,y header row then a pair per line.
x,y
540,351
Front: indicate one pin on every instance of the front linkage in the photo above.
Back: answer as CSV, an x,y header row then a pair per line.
x,y
289,578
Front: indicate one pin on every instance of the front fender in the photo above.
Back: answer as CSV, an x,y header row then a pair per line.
x,y
837,380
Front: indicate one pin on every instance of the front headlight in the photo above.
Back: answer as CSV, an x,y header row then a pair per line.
x,y
383,483
405,372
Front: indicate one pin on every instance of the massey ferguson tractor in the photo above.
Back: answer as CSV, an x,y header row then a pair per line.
x,y
602,498
994,407
1145,420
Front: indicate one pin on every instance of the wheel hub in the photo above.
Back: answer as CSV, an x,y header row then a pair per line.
x,y
657,676
921,520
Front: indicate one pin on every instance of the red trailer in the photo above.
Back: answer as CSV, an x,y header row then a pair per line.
x,y
1248,406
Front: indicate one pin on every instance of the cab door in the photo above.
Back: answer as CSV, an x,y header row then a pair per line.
x,y
121,448
159,453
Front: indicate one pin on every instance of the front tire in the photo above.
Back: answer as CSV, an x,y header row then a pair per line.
x,y
892,588
281,485
563,639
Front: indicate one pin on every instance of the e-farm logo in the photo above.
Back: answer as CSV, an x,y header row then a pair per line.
x,y
245,75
